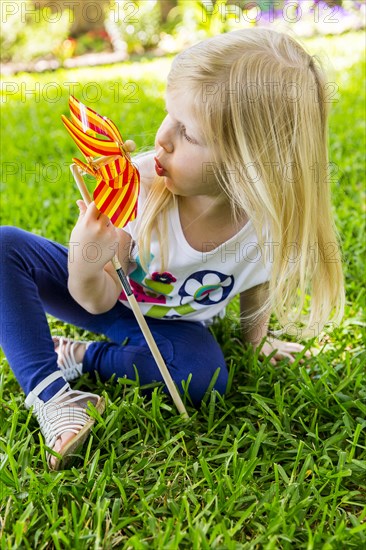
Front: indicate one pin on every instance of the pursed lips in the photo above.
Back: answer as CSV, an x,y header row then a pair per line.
x,y
159,168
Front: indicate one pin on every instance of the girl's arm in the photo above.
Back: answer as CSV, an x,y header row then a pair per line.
x,y
93,282
250,301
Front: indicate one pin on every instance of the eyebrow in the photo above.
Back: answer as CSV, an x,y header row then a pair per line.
x,y
179,122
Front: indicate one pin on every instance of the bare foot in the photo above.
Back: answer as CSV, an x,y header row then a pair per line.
x,y
59,445
78,348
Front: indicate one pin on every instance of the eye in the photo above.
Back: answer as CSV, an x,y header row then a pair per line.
x,y
183,131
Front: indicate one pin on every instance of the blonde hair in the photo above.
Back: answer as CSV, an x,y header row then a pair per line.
x,y
259,99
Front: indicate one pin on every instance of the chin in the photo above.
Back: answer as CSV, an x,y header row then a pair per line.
x,y
171,187
168,182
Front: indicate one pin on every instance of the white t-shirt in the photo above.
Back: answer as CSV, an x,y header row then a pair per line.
x,y
196,286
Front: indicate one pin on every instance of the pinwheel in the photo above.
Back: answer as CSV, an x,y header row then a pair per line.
x,y
116,193
117,178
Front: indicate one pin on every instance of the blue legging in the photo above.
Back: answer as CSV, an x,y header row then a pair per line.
x,y
33,282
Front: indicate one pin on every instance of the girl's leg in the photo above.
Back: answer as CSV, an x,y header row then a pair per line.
x,y
34,280
187,348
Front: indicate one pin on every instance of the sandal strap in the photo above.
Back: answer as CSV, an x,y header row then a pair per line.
x,y
68,364
63,413
58,417
33,395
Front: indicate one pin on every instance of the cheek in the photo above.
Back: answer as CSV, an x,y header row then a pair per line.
x,y
202,169
192,160
189,168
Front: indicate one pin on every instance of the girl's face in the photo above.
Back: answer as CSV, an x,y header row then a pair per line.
x,y
182,156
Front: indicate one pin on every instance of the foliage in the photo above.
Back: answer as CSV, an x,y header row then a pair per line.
x,y
315,18
26,37
280,462
136,26
93,41
194,20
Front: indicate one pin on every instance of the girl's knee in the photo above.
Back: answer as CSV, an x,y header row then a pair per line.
x,y
205,375
16,244
217,381
199,359
11,238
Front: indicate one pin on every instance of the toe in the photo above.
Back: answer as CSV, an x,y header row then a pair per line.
x,y
56,341
60,444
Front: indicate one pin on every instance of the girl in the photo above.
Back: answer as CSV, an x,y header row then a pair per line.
x,y
234,200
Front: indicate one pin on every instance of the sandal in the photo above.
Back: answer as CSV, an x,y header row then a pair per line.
x,y
64,412
66,357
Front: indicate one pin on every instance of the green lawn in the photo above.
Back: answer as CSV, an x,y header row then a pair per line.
x,y
280,463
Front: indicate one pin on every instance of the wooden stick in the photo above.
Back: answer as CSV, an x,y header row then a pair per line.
x,y
76,172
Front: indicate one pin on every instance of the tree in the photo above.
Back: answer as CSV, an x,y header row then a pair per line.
x,y
87,15
165,7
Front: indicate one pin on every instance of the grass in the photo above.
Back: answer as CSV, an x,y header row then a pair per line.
x,y
279,463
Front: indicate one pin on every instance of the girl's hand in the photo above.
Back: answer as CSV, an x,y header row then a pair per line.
x,y
93,241
284,349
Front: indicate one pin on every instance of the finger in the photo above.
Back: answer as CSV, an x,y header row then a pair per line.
x,y
280,356
82,207
93,211
296,354
297,348
293,346
94,214
283,355
308,353
289,356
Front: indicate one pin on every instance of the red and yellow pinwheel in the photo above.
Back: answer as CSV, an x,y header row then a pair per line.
x,y
118,180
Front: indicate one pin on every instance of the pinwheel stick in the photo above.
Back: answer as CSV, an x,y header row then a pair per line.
x,y
76,172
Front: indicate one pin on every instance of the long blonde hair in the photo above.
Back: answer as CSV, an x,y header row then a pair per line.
x,y
259,99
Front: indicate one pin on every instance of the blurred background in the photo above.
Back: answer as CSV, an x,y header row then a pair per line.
x,y
45,35
115,55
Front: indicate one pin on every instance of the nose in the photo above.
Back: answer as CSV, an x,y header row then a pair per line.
x,y
164,136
